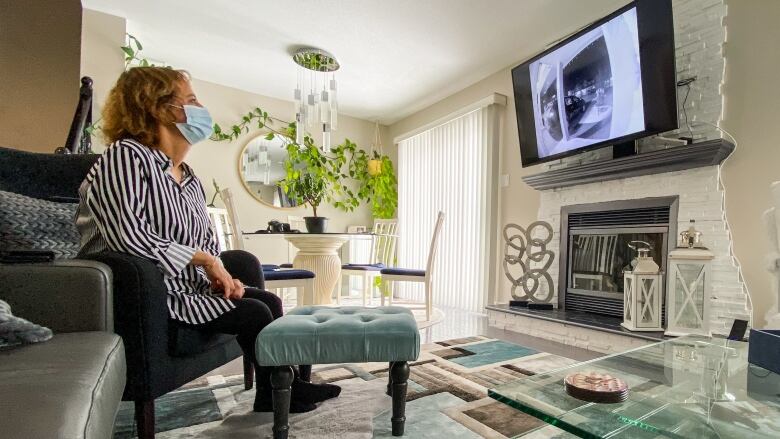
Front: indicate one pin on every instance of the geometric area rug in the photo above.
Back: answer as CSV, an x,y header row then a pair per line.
x,y
446,398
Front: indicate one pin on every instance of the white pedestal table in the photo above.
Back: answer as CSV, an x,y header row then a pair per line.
x,y
319,253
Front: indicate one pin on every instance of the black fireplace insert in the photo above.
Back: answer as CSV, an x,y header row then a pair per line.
x,y
595,251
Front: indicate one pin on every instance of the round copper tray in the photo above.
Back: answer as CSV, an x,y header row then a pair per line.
x,y
594,386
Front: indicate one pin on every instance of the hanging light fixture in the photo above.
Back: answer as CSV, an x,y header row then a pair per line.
x,y
374,164
316,95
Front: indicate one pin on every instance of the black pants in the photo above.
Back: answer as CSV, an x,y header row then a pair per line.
x,y
252,313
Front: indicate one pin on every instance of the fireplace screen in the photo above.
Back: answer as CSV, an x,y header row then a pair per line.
x,y
598,258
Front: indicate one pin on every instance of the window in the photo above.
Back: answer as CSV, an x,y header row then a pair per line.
x,y
449,167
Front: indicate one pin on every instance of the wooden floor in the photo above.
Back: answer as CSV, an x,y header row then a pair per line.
x,y
459,323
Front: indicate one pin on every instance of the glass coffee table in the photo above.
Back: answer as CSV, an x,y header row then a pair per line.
x,y
689,387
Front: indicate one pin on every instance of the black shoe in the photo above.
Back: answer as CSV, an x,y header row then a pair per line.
x,y
313,393
264,403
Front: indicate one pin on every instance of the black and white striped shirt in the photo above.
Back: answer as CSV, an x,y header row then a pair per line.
x,y
131,203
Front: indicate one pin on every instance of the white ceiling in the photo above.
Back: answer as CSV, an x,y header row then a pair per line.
x,y
396,56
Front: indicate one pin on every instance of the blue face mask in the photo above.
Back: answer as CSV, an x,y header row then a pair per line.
x,y
198,126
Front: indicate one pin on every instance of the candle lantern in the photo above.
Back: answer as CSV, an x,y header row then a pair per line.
x,y
689,286
642,291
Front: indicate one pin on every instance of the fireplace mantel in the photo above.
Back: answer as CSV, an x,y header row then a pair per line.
x,y
678,158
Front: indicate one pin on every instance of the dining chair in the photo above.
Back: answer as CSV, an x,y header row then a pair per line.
x,y
382,256
221,222
277,279
236,239
392,275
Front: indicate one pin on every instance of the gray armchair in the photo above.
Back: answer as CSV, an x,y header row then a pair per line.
x,y
71,385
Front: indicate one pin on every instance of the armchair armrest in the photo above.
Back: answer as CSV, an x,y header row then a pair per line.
x,y
66,296
141,319
244,266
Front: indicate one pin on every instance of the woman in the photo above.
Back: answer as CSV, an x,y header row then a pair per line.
x,y
141,198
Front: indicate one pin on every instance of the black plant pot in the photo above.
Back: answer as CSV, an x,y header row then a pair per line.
x,y
316,224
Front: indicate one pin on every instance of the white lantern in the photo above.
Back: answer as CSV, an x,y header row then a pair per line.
x,y
688,292
642,293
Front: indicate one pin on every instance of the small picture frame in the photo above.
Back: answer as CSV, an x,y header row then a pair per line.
x,y
357,229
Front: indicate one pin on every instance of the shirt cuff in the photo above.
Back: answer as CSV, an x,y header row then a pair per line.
x,y
176,257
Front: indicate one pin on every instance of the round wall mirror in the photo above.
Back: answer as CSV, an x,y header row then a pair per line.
x,y
261,167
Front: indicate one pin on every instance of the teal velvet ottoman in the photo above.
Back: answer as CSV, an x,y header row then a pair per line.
x,y
325,335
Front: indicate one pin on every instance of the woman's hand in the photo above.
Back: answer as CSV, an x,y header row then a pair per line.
x,y
220,279
239,289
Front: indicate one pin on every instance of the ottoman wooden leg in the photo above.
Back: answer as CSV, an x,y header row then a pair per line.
x,y
281,381
305,372
399,373
389,380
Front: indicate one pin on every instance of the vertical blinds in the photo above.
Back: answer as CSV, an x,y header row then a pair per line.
x,y
447,168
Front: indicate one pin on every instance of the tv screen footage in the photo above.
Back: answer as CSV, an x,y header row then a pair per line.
x,y
590,90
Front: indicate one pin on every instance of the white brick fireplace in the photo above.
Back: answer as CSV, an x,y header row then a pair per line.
x,y
700,198
700,36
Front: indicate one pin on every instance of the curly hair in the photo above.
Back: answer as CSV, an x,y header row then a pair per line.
x,y
137,104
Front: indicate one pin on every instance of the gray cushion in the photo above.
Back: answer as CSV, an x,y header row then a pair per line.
x,y
67,387
287,274
364,267
403,271
48,176
33,224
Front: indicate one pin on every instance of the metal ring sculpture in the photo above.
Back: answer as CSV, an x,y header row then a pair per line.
x,y
531,279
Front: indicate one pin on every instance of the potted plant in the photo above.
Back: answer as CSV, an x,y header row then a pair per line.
x,y
343,173
308,188
375,162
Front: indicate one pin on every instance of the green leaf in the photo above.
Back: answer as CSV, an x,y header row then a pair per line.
x,y
128,51
134,40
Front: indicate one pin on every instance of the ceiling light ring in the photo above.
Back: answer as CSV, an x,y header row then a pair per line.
x,y
317,60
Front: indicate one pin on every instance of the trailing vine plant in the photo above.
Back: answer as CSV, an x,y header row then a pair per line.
x,y
132,53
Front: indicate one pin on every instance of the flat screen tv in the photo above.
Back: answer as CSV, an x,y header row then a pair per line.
x,y
611,82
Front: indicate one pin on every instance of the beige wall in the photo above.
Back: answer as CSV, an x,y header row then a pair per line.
x,y
752,64
102,59
39,72
518,203
750,114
